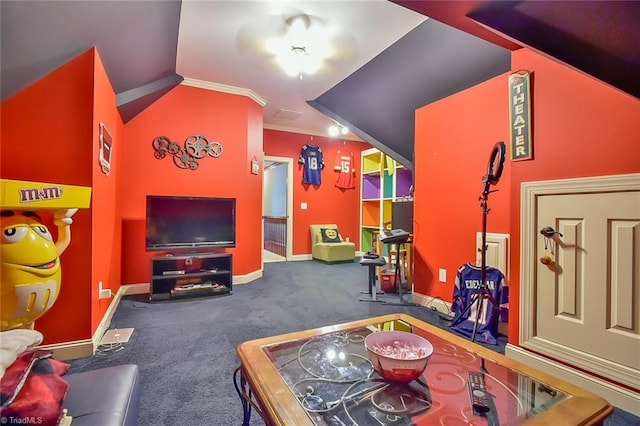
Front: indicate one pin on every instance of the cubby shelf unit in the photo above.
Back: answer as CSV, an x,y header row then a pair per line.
x,y
383,181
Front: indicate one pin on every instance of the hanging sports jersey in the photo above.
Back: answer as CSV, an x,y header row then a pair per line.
x,y
312,163
346,172
467,284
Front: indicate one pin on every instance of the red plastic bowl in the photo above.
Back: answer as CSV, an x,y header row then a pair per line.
x,y
395,369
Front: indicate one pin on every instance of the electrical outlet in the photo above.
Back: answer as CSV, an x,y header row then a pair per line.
x,y
442,274
104,293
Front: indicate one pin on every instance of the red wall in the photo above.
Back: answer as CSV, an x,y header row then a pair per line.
x,y
47,136
106,224
581,127
454,138
325,203
235,122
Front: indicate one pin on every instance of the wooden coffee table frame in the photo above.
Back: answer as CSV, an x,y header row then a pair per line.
x,y
279,406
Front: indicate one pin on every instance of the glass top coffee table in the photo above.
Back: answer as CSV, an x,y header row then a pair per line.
x,y
324,377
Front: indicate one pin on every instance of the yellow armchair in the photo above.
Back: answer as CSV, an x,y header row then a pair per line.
x,y
328,245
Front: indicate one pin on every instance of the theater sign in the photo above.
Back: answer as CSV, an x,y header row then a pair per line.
x,y
520,116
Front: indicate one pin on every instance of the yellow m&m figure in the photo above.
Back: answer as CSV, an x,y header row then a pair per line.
x,y
30,270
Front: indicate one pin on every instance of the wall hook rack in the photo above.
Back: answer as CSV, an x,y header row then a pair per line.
x,y
549,232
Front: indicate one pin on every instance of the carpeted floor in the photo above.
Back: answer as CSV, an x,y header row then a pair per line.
x,y
186,349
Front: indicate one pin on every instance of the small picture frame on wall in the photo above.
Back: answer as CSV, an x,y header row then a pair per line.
x,y
106,148
255,166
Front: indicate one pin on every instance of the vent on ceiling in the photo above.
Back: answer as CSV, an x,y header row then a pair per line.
x,y
287,114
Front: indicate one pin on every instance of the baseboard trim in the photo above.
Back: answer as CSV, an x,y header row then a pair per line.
x,y
108,315
140,288
432,302
87,347
300,257
70,350
247,278
618,396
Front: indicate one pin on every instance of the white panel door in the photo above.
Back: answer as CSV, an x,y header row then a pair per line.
x,y
497,251
588,299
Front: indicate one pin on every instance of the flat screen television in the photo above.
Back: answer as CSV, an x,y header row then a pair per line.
x,y
190,223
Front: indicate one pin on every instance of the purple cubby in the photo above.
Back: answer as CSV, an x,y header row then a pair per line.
x,y
403,182
370,186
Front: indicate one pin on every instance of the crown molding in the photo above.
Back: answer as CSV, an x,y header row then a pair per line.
x,y
207,85
201,84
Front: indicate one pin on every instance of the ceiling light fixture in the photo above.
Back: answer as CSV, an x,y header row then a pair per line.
x,y
337,129
302,49
298,62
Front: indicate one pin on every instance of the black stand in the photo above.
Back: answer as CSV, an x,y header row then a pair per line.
x,y
398,277
496,163
482,291
372,264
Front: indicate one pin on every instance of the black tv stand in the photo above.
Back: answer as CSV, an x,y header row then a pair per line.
x,y
176,276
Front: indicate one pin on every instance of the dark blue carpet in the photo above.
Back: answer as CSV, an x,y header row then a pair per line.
x,y
186,349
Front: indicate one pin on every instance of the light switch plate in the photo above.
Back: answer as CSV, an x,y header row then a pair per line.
x,y
442,274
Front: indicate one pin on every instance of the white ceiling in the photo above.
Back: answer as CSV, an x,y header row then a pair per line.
x,y
224,42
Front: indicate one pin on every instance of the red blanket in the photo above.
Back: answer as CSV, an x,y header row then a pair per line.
x,y
32,391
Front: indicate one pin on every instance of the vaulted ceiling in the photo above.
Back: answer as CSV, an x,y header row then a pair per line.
x,y
389,57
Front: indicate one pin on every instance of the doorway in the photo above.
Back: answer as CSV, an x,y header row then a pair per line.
x,y
277,209
579,285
